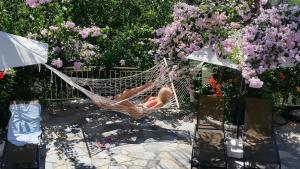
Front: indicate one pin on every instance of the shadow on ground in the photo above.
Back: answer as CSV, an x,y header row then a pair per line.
x,y
98,131
288,138
116,129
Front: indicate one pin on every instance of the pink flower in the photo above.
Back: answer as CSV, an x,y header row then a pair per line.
x,y
228,45
269,43
56,49
255,83
44,1
247,17
248,73
160,31
57,62
200,23
77,45
44,32
77,65
96,31
193,48
181,54
96,34
297,58
297,37
122,62
53,28
249,49
90,46
68,25
235,25
30,35
261,69
32,3
85,33
222,16
275,20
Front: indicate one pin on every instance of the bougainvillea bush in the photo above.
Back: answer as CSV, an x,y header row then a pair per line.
x,y
36,3
196,26
206,23
249,33
253,34
71,44
271,41
110,33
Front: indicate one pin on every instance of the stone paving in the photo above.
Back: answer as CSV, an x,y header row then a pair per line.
x,y
73,153
288,139
164,144
149,143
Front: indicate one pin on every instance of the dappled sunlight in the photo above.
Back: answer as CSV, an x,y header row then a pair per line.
x,y
95,138
288,139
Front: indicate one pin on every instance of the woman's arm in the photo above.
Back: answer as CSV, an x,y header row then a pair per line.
x,y
133,91
152,104
158,105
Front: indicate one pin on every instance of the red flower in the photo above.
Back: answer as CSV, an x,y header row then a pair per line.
x,y
215,87
281,76
2,74
218,90
212,82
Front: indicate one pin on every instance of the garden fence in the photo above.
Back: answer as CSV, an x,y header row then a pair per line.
x,y
55,89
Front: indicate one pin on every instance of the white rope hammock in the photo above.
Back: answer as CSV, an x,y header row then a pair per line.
x,y
102,89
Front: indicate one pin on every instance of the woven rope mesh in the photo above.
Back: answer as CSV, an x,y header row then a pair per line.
x,y
106,88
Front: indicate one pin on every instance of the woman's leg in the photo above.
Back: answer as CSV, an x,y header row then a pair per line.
x,y
131,92
133,110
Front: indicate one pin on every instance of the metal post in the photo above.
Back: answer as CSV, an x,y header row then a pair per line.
x,y
241,107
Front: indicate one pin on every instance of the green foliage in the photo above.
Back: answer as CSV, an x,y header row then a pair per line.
x,y
292,2
6,94
131,45
281,84
128,25
129,22
132,23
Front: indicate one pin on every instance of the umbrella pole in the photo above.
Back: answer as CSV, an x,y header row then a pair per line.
x,y
241,107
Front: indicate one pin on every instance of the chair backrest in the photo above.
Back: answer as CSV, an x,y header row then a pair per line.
x,y
211,107
24,124
259,116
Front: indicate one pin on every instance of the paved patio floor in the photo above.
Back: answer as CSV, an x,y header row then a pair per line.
x,y
73,153
288,139
95,140
90,139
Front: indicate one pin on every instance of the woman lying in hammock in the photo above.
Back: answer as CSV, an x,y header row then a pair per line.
x,y
133,110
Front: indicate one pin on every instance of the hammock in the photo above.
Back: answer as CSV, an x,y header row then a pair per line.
x,y
101,89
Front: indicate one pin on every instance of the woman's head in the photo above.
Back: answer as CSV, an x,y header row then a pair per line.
x,y
165,94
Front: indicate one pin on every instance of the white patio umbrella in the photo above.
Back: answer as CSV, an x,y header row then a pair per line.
x,y
16,51
207,55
